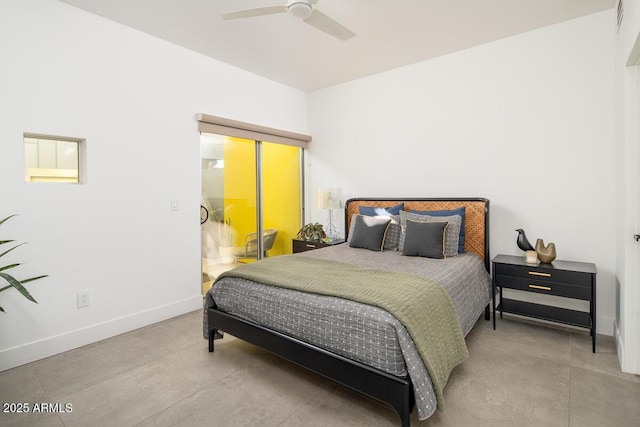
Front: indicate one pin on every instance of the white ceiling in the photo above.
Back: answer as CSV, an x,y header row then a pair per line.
x,y
389,33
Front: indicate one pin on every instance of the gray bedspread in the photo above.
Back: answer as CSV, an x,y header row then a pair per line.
x,y
364,333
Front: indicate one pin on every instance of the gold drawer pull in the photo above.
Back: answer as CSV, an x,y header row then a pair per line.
x,y
535,273
310,246
544,288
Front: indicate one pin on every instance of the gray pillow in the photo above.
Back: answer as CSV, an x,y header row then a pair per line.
x,y
425,239
452,233
391,240
369,232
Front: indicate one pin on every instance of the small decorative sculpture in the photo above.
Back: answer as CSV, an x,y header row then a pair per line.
x,y
522,241
530,256
546,254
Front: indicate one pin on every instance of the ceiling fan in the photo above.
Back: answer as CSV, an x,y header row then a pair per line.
x,y
301,9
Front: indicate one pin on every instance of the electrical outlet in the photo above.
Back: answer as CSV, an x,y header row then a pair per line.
x,y
83,299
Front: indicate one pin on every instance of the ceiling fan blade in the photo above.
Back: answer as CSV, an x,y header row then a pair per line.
x,y
322,22
250,13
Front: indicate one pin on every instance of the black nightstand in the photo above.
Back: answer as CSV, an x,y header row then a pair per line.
x,y
300,245
576,280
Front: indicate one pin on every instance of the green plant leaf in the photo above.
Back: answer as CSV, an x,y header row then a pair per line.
x,y
12,281
31,279
24,281
6,267
9,250
10,216
16,284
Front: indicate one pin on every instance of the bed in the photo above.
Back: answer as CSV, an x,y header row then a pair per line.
x,y
327,311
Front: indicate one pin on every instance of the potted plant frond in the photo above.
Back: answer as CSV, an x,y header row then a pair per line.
x,y
10,279
312,232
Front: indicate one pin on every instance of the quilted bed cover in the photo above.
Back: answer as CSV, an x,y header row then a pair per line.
x,y
358,331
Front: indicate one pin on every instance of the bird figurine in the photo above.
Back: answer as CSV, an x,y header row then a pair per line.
x,y
522,241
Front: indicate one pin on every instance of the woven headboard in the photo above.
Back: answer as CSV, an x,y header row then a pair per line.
x,y
476,217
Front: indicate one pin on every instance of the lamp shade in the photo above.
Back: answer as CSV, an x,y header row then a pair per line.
x,y
329,198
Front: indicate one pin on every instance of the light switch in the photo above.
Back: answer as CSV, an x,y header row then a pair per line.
x,y
175,206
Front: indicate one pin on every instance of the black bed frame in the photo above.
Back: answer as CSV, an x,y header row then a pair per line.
x,y
394,391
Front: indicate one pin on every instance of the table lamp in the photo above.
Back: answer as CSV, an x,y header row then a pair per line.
x,y
330,198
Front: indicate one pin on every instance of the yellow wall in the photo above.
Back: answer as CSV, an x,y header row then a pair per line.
x,y
280,185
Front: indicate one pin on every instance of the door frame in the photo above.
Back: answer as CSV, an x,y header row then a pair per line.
x,y
628,333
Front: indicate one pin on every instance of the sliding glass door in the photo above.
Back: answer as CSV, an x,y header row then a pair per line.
x,y
281,194
249,188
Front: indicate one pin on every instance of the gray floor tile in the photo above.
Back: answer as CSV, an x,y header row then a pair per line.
x,y
496,388
258,388
599,399
80,368
516,336
31,419
20,385
605,360
338,406
20,389
136,394
524,373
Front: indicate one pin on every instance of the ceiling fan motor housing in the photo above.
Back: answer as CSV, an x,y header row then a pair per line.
x,y
300,9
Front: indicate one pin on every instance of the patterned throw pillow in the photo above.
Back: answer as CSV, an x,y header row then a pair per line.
x,y
392,241
452,233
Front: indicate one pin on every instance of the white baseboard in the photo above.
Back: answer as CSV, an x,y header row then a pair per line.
x,y
619,343
629,363
30,352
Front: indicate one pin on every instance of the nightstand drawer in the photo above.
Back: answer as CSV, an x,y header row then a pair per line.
x,y
302,245
544,287
539,275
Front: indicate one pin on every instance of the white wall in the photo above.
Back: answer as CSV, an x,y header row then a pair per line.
x,y
134,98
481,122
527,122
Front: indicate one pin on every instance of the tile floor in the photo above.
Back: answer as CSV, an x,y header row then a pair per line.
x,y
523,374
